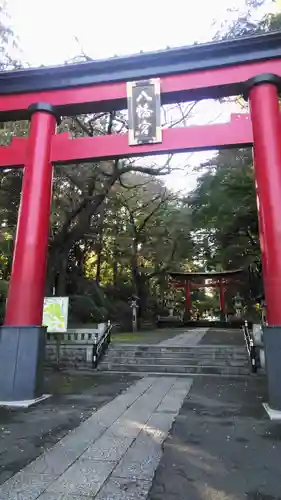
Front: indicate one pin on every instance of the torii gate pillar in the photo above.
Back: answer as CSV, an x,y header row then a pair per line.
x,y
22,347
265,114
187,313
222,300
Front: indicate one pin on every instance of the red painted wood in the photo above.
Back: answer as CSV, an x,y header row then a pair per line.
x,y
238,132
264,107
222,297
27,284
113,96
199,285
214,284
14,154
187,296
205,285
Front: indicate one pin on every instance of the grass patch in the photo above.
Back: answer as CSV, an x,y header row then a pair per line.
x,y
129,337
144,336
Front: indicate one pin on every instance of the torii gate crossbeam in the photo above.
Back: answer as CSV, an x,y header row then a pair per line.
x,y
64,150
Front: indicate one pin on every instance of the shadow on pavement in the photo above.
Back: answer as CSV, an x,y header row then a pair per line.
x,y
223,337
222,445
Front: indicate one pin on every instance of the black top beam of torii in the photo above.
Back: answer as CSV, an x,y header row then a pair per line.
x,y
173,61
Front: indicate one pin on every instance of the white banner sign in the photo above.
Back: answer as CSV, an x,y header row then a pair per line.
x,y
55,314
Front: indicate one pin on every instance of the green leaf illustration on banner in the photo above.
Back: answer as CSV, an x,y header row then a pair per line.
x,y
53,316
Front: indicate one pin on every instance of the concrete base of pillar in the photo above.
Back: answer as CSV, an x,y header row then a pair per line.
x,y
24,404
22,353
272,346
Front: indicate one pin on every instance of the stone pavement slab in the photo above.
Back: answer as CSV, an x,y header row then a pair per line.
x,y
60,496
131,422
169,403
186,339
122,489
25,486
114,452
84,477
108,449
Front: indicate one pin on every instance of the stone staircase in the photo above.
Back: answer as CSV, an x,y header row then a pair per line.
x,y
156,359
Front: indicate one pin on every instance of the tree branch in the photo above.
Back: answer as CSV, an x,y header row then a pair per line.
x,y
146,219
165,266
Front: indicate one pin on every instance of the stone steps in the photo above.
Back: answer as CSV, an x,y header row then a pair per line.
x,y
169,353
203,359
201,347
194,350
175,355
172,361
174,369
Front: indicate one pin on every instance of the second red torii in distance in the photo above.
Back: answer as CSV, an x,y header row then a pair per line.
x,y
189,280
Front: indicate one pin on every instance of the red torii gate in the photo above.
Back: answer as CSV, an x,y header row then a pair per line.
x,y
219,280
249,66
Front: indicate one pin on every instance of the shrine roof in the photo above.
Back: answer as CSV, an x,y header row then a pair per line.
x,y
206,275
171,61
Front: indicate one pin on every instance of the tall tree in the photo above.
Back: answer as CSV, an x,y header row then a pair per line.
x,y
224,201
225,214
8,41
245,23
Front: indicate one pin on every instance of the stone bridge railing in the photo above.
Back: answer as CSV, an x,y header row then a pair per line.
x,y
74,347
255,346
258,341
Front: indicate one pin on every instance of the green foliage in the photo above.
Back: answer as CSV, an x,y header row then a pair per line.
x,y
245,23
3,294
8,40
225,216
224,202
3,289
83,309
224,206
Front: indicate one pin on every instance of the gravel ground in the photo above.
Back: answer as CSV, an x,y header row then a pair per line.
x,y
222,445
25,434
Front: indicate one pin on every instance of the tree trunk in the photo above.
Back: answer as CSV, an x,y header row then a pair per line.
x,y
100,243
99,261
115,254
162,289
57,272
61,280
134,266
114,269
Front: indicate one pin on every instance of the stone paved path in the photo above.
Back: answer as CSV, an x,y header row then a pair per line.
x,y
147,337
112,455
188,338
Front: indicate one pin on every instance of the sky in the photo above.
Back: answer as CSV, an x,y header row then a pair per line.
x,y
48,28
54,31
